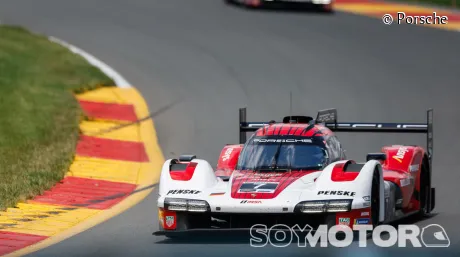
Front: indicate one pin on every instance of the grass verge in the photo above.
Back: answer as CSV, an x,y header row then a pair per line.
x,y
39,114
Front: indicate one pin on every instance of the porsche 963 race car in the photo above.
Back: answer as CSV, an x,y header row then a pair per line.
x,y
295,172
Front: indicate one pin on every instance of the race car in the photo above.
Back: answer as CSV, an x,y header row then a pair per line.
x,y
321,5
295,172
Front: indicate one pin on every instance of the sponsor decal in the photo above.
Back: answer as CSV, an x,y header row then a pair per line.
x,y
365,213
227,154
405,182
251,201
183,191
343,193
170,221
366,198
366,204
255,125
266,177
414,168
344,221
400,154
401,126
380,125
167,219
287,140
269,175
258,187
216,194
362,221
326,116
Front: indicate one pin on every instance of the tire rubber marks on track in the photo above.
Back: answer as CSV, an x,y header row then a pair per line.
x,y
88,193
109,111
111,149
105,130
41,219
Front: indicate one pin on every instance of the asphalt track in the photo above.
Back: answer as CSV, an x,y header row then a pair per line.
x,y
203,60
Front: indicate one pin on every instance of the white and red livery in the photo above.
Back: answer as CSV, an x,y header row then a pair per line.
x,y
295,172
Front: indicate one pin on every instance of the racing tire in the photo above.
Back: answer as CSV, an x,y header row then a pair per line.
x,y
253,5
323,8
375,199
235,3
326,8
171,237
425,189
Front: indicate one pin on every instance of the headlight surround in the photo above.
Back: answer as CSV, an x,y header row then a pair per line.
x,y
190,205
320,206
339,206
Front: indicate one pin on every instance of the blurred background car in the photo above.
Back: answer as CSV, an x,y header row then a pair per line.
x,y
316,5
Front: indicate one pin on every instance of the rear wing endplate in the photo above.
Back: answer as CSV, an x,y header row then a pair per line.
x,y
329,119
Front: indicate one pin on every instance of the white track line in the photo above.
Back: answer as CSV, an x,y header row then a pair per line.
x,y
109,71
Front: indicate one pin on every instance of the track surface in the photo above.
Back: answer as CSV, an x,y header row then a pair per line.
x,y
214,59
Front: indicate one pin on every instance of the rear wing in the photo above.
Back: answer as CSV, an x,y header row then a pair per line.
x,y
329,119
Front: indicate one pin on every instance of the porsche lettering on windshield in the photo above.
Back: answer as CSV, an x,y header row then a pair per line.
x,y
258,187
279,140
277,154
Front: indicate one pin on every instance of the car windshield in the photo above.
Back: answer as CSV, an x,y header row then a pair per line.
x,y
282,155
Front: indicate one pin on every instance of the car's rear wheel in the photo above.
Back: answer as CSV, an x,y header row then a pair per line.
x,y
425,188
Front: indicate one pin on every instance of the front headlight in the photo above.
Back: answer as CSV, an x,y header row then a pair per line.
x,y
324,206
197,206
313,206
339,206
174,204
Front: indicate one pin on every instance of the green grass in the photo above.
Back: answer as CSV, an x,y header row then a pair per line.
x,y
39,113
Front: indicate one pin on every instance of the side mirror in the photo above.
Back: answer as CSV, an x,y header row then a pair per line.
x,y
376,156
187,157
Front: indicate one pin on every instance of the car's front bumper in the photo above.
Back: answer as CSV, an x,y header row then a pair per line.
x,y
224,232
247,235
